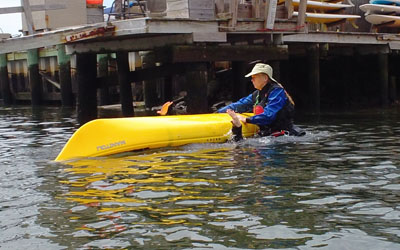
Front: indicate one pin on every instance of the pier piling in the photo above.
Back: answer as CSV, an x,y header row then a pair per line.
x,y
64,64
313,78
4,81
149,86
125,89
239,69
34,77
383,71
196,79
86,71
104,92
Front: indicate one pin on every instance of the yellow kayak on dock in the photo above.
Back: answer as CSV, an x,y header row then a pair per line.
x,y
110,136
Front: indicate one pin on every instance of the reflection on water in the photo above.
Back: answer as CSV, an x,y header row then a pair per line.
x,y
336,188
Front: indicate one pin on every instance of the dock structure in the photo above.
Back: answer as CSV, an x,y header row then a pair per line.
x,y
319,63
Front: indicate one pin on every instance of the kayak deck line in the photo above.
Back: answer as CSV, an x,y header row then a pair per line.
x,y
103,137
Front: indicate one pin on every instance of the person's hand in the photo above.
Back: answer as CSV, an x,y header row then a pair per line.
x,y
242,119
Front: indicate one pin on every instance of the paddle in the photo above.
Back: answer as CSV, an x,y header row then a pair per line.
x,y
165,106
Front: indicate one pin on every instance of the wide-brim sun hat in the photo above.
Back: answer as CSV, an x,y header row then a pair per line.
x,y
261,68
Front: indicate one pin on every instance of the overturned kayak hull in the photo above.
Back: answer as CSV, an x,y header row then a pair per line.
x,y
110,136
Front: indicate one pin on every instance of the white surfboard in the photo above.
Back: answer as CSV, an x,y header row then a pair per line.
x,y
379,9
323,6
327,18
385,2
390,21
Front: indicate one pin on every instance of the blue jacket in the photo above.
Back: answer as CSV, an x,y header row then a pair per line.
x,y
277,99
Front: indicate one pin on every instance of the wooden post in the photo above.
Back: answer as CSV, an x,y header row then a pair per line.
x,y
220,4
64,64
313,77
270,13
289,8
86,70
233,8
34,77
256,8
393,89
125,89
240,82
196,79
383,70
149,86
301,18
28,16
104,92
4,80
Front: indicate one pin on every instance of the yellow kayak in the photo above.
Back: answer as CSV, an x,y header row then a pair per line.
x,y
110,136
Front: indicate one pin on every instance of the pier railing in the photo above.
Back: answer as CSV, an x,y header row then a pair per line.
x,y
268,11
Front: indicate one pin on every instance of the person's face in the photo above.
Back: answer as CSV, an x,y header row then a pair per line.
x,y
259,80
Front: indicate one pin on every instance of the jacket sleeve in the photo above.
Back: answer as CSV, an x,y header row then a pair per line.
x,y
276,101
243,105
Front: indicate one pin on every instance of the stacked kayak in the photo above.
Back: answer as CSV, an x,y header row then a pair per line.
x,y
103,137
324,11
382,12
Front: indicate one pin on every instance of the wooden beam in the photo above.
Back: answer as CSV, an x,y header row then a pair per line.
x,y
220,5
123,29
270,13
28,16
233,8
156,72
196,88
289,8
104,91
240,82
227,53
334,37
41,7
51,38
48,78
256,4
34,77
313,67
135,44
125,89
4,81
383,71
301,18
64,64
86,70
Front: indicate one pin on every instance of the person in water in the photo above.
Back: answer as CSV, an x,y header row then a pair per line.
x,y
272,106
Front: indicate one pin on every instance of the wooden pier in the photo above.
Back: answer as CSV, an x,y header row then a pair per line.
x,y
89,65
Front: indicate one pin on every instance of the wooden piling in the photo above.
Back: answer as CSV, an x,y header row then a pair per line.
x,y
383,71
149,86
64,64
34,77
393,89
86,70
196,79
313,78
125,89
240,82
104,92
4,81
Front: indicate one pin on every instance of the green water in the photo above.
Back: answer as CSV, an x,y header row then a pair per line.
x,y
336,188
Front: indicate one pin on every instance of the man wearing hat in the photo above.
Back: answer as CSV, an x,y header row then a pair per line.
x,y
272,106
